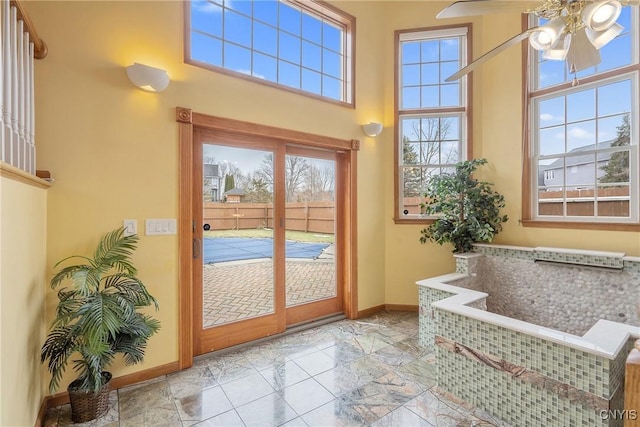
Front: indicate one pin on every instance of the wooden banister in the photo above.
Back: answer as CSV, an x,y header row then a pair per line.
x,y
40,49
632,388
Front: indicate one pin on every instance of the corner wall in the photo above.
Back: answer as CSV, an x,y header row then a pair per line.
x,y
23,233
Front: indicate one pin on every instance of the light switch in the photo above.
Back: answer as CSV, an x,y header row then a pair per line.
x,y
154,227
130,227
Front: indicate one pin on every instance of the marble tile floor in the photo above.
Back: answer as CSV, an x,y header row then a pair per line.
x,y
365,372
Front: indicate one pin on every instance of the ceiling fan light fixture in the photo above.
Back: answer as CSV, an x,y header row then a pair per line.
x,y
582,53
547,36
558,52
601,15
600,38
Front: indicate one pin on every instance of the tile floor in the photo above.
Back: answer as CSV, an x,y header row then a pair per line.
x,y
369,371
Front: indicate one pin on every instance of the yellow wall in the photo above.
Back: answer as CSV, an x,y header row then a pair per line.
x,y
23,232
113,148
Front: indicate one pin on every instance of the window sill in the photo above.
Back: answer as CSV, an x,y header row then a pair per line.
x,y
16,174
606,226
421,221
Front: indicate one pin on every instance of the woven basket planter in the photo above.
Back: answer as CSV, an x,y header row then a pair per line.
x,y
89,405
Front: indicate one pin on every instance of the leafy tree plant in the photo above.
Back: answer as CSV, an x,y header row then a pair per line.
x,y
466,210
97,315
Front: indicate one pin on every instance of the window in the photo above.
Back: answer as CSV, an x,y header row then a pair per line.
x,y
432,114
302,46
583,146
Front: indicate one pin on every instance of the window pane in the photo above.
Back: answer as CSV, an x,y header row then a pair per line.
x,y
551,141
331,38
290,19
289,48
206,17
410,97
616,54
237,58
581,136
265,67
551,112
331,87
331,63
288,74
206,49
449,50
410,52
243,7
551,73
410,153
551,173
410,129
266,11
410,75
581,105
430,74
449,152
449,95
265,38
412,180
311,81
447,69
615,98
430,51
430,96
237,28
311,29
608,130
311,56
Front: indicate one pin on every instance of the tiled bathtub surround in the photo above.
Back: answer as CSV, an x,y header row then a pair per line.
x,y
518,371
557,288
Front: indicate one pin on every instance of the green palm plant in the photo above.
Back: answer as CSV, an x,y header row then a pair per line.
x,y
97,316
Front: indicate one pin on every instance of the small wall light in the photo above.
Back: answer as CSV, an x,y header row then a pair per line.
x,y
148,78
372,129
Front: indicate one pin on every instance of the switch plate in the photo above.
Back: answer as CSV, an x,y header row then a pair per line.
x,y
155,227
131,227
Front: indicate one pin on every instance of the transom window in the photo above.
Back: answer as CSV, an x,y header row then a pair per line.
x,y
584,140
301,46
432,113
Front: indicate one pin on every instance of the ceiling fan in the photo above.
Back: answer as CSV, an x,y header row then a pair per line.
x,y
575,29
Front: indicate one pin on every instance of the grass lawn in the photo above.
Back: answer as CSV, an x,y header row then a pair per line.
x,y
298,236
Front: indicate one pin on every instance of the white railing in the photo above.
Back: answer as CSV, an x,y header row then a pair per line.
x,y
17,121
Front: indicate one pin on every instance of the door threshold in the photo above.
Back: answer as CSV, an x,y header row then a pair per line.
x,y
299,327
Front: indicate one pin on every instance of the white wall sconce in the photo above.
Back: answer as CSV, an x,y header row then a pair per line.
x,y
372,129
148,78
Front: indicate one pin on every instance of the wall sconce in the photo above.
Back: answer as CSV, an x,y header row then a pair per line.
x,y
148,78
372,129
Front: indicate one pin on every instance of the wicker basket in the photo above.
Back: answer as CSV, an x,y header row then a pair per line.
x,y
89,405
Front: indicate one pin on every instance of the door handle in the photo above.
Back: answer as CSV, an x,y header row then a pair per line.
x,y
196,248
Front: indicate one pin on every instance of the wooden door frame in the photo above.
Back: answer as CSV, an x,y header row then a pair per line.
x,y
187,122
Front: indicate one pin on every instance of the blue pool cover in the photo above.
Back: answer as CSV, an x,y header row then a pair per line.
x,y
222,249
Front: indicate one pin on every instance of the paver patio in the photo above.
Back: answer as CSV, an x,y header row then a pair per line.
x,y
238,290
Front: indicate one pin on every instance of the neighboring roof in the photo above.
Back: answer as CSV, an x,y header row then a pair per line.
x,y
210,170
235,192
581,159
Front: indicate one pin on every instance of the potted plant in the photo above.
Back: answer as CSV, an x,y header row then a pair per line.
x,y
466,210
97,317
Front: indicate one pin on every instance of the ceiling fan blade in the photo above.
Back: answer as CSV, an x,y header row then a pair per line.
x,y
630,2
495,51
485,7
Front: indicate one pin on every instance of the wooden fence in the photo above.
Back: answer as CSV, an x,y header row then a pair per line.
x,y
312,217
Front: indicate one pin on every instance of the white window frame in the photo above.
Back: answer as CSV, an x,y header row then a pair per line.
x,y
462,111
317,9
629,72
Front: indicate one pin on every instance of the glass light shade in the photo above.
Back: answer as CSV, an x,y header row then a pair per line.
x,y
558,51
546,36
148,78
601,38
582,53
601,15
372,129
